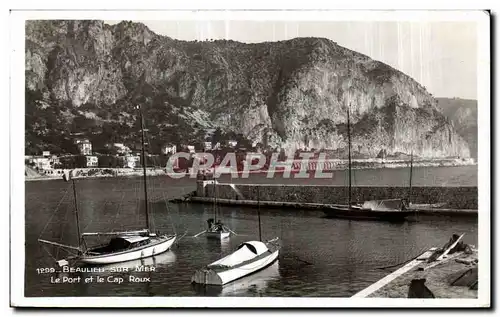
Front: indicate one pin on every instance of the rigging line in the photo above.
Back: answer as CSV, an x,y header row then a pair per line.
x,y
48,252
55,210
104,207
119,208
168,211
65,222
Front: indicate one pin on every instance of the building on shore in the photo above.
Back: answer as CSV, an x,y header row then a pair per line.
x,y
91,161
130,161
84,146
232,143
40,163
43,162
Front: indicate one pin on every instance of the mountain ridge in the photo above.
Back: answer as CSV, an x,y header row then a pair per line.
x,y
87,76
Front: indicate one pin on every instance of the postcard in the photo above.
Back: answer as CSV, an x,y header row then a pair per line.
x,y
233,158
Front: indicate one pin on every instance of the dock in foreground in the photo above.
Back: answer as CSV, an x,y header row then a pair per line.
x,y
431,275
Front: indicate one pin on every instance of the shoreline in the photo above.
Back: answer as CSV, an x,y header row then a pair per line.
x,y
122,172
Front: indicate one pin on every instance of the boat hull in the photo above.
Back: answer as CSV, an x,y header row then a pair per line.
x,y
367,214
209,276
217,235
154,248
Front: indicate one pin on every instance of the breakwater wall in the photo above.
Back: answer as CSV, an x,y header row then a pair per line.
x,y
453,197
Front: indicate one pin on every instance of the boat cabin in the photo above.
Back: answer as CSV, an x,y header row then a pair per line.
x,y
245,252
121,243
386,204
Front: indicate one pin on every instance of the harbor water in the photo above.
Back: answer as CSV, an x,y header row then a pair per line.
x,y
319,257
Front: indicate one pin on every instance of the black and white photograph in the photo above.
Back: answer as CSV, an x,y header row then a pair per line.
x,y
252,158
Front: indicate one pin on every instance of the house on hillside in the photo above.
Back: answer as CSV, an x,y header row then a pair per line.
x,y
169,149
207,146
121,148
84,146
232,143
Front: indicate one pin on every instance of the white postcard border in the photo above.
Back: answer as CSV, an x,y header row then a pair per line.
x,y
17,41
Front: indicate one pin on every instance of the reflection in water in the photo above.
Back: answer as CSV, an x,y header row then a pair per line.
x,y
153,262
256,283
135,274
160,260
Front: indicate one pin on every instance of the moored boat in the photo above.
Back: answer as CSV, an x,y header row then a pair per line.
x,y
216,229
250,257
384,209
222,234
127,248
370,210
122,246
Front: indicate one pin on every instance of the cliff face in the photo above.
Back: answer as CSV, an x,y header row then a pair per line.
x,y
463,115
86,76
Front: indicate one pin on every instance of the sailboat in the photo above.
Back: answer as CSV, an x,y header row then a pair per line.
x,y
216,229
416,207
122,246
385,209
249,257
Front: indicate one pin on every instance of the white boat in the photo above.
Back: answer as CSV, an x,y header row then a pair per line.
x,y
250,257
127,248
258,281
122,246
160,260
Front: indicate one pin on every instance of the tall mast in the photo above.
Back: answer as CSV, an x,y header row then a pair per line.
x,y
258,211
76,213
349,150
411,175
215,198
144,169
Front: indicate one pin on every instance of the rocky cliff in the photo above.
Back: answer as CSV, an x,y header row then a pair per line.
x,y
462,113
86,77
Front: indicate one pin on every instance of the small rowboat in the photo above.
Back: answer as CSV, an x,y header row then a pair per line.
x,y
217,235
250,257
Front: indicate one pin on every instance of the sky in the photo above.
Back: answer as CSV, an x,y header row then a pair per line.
x,y
442,56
